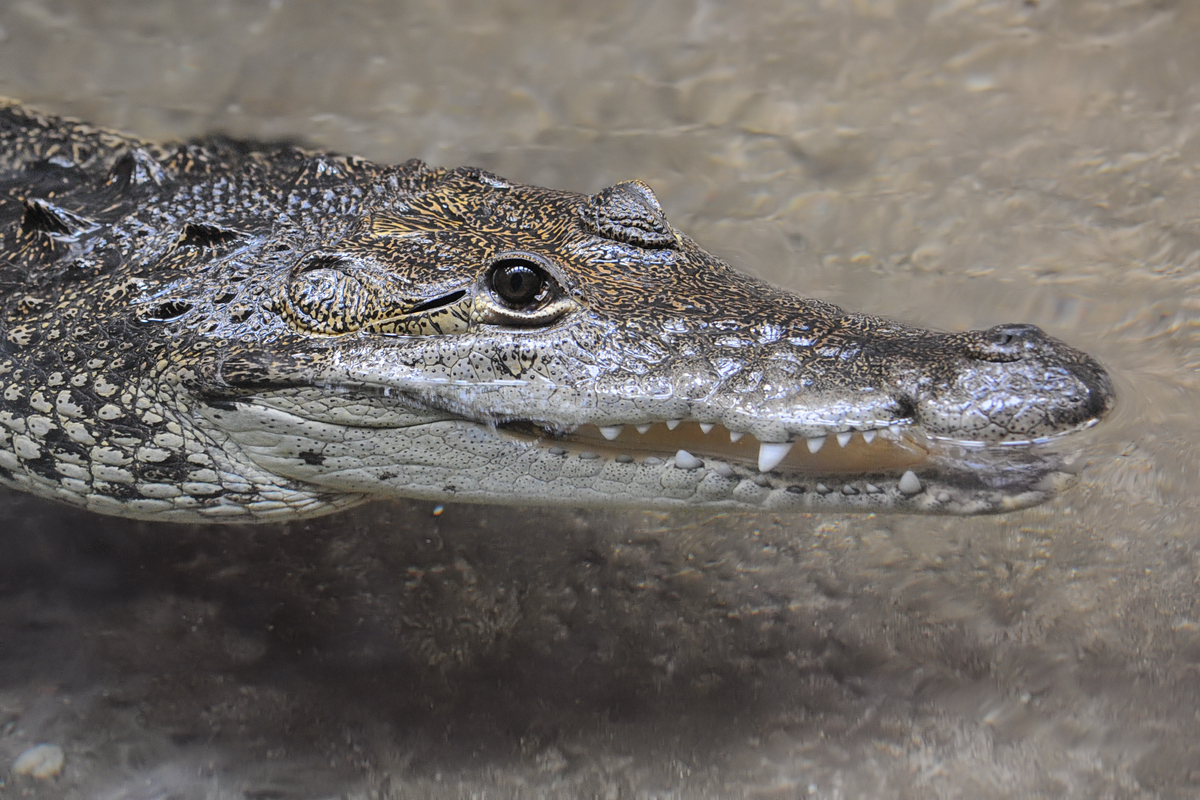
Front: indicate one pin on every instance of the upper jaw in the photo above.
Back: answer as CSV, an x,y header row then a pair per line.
x,y
558,409
589,400
773,422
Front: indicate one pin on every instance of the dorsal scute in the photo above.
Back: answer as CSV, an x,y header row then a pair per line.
x,y
136,167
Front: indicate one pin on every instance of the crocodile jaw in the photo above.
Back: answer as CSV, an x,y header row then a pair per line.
x,y
407,451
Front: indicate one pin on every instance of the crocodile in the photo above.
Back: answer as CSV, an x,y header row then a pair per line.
x,y
221,330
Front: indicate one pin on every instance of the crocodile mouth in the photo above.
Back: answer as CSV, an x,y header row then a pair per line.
x,y
693,445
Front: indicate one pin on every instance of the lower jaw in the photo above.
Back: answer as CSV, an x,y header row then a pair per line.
x,y
897,470
539,475
454,460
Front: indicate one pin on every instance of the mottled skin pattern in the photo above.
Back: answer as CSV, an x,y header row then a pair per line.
x,y
225,330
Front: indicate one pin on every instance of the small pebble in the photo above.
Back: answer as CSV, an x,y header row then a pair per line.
x,y
40,761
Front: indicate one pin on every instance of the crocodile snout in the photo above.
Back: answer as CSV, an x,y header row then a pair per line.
x,y
1007,384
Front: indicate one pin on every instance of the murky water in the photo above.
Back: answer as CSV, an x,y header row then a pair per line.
x,y
956,164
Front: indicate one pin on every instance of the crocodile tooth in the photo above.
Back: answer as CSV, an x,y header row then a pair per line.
x,y
895,429
771,453
843,438
868,436
611,432
735,435
672,424
685,460
815,443
909,483
706,427
642,428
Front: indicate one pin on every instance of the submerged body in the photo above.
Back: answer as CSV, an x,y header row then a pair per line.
x,y
219,330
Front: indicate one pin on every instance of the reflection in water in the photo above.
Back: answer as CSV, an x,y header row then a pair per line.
x,y
957,164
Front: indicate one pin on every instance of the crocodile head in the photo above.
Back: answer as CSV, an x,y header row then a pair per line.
x,y
468,338
231,330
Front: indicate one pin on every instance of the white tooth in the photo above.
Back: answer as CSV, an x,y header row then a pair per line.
x,y
611,432
706,427
844,438
895,429
685,460
735,435
909,483
672,424
643,428
771,453
868,436
815,443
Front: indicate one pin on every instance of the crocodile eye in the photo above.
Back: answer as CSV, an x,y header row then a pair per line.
x,y
520,289
518,282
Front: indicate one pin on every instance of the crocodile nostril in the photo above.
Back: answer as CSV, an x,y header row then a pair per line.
x,y
1005,342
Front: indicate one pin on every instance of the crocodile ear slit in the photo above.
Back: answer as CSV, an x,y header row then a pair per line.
x,y
331,294
438,302
629,212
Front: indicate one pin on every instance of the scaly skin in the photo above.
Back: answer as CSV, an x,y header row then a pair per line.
x,y
220,330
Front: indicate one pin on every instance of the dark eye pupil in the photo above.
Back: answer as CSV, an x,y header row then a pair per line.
x,y
517,282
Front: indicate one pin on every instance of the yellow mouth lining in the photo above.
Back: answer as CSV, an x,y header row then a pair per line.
x,y
859,452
